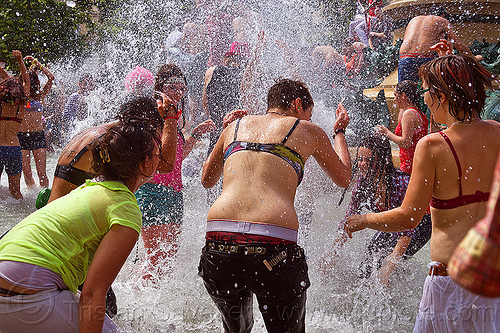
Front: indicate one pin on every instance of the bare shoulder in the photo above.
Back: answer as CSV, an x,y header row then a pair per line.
x,y
430,143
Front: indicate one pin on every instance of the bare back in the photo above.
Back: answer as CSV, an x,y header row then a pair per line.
x,y
477,147
10,128
259,186
424,31
61,187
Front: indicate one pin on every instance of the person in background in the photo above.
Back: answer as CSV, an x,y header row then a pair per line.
x,y
380,34
380,187
47,255
76,107
421,33
251,240
412,123
453,172
13,98
31,135
139,83
161,199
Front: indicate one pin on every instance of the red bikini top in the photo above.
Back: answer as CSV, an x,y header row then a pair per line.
x,y
461,200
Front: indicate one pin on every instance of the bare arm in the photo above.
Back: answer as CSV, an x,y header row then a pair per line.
x,y
391,261
456,42
205,127
46,72
24,72
409,122
107,262
214,165
168,112
204,99
416,200
3,74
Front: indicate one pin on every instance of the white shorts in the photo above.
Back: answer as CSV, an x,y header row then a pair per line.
x,y
45,311
447,307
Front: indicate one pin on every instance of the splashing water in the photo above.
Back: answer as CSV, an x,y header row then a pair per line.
x,y
337,301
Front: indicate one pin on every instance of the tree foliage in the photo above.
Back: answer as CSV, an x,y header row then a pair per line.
x,y
47,29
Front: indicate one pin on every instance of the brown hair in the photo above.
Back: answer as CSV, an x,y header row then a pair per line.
x,y
461,79
11,91
410,89
117,154
165,72
285,91
141,109
34,84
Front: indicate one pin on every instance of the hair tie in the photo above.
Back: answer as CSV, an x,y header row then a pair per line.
x,y
104,153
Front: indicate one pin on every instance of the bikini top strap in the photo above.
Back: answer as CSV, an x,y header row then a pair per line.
x,y
83,151
236,128
457,161
291,130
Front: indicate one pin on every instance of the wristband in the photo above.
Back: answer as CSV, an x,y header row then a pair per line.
x,y
338,130
177,115
196,136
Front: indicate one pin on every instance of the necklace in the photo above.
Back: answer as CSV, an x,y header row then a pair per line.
x,y
469,120
276,113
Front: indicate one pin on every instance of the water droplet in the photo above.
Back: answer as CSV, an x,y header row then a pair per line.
x,y
303,284
236,285
264,307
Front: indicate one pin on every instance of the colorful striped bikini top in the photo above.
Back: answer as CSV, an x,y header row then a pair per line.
x,y
461,200
278,149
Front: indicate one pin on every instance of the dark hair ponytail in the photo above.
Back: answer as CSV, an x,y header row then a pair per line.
x,y
117,154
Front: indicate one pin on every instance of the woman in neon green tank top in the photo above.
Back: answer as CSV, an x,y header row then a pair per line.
x,y
85,235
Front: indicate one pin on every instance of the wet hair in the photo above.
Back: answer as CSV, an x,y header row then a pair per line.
x,y
285,91
380,172
34,84
141,109
11,91
117,154
410,89
461,79
437,10
164,73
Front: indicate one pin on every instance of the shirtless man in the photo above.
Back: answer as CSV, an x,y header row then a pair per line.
x,y
421,33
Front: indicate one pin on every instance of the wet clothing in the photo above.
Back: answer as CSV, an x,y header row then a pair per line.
x,y
223,96
67,239
11,158
34,106
161,200
278,149
32,140
461,199
44,312
71,174
382,243
232,273
409,64
406,154
447,307
160,205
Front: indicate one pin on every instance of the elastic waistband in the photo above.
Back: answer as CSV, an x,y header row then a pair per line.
x,y
417,55
252,228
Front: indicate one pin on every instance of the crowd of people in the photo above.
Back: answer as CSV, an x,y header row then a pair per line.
x,y
124,178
